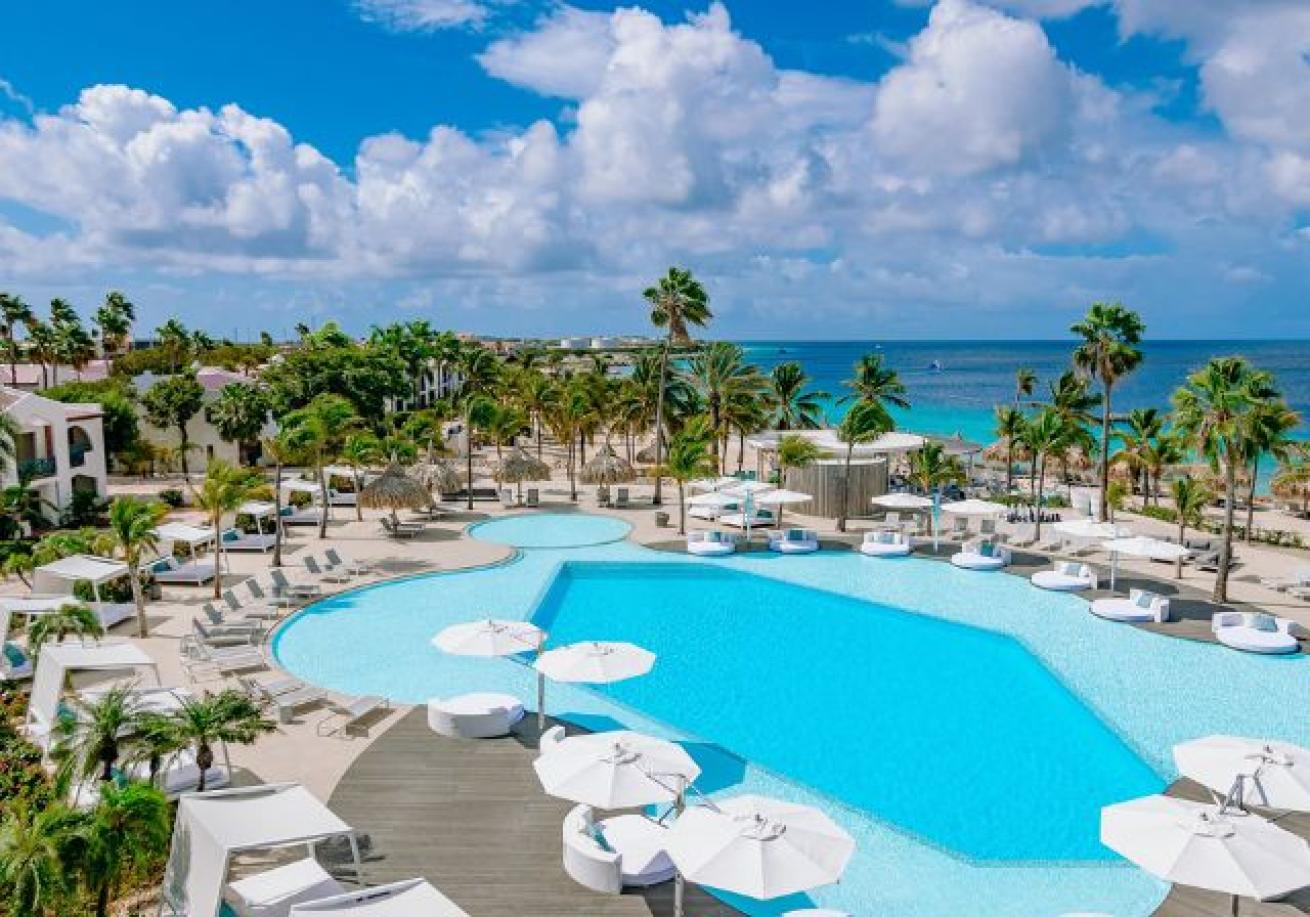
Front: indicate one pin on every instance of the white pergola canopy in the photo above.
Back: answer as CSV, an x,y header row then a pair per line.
x,y
298,485
59,577
213,826
190,535
257,508
58,659
410,898
40,605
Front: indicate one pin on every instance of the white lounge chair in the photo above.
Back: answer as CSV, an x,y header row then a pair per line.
x,y
710,544
885,544
1141,607
223,635
480,715
285,695
230,622
608,856
272,893
794,541
237,540
982,555
192,573
252,610
196,656
1255,632
1066,576
349,711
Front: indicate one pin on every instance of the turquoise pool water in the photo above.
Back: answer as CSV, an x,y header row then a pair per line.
x,y
1132,695
551,530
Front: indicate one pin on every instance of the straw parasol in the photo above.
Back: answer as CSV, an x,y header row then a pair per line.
x,y
606,468
646,456
394,490
999,451
518,467
438,475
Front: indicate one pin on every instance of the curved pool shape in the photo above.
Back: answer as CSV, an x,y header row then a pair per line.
x,y
551,530
1128,694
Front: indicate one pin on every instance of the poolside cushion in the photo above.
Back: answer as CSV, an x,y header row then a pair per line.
x,y
597,834
795,535
15,656
1145,600
886,538
985,549
1266,623
1071,568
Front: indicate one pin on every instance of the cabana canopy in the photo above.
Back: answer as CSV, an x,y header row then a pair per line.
x,y
257,508
213,826
41,605
297,485
59,577
191,535
58,659
410,898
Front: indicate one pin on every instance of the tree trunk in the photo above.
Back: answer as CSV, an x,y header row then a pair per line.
x,y
102,900
204,761
359,485
218,554
142,622
323,495
468,452
1250,498
1226,546
741,449
1182,540
1040,461
1105,448
845,488
1009,465
656,499
682,511
277,515
182,438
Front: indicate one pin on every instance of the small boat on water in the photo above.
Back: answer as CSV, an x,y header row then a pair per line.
x,y
936,366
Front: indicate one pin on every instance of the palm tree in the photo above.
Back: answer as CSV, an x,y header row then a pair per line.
x,y
795,451
43,345
288,447
720,373
931,468
114,319
322,426
71,620
35,844
1140,435
8,445
875,381
1009,426
677,302
794,405
226,718
1213,409
132,524
863,423
507,422
128,831
1047,434
689,458
479,372
1292,479
536,393
359,451
13,312
239,413
1190,497
87,745
223,490
1110,335
1025,383
1267,434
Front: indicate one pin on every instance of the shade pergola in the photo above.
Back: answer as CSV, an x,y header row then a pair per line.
x,y
408,898
57,660
60,576
212,827
193,536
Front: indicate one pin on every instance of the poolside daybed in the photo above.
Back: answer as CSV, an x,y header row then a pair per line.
x,y
1255,632
710,544
981,555
193,573
1141,607
1065,576
794,541
886,543
481,715
624,851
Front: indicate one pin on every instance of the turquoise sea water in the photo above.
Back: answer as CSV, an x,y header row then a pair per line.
x,y
763,658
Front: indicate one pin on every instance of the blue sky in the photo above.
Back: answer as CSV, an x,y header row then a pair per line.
x,y
962,168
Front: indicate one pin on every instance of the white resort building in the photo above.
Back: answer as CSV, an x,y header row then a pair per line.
x,y
59,448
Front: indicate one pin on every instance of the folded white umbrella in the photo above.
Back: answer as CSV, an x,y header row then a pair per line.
x,y
489,637
1191,843
713,483
712,498
760,847
1273,775
780,497
1140,546
1089,529
974,507
616,770
747,488
902,501
593,662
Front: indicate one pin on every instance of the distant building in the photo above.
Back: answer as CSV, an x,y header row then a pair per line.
x,y
59,448
575,343
203,434
30,378
435,381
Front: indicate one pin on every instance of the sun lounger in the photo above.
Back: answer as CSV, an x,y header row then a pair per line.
x,y
326,574
224,635
250,610
401,529
285,695
534,497
1065,576
981,556
1255,632
794,541
172,571
272,893
353,567
621,499
885,544
272,597
347,712
234,540
631,855
197,656
1141,607
296,590
710,544
220,620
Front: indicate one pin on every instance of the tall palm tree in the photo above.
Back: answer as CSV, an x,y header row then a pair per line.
x,y
1190,498
322,426
127,831
88,745
114,320
13,312
794,405
874,381
359,451
43,346
1109,351
932,468
223,490
226,718
1025,383
132,524
863,423
1292,479
35,844
479,372
1047,434
71,620
1267,433
1140,435
1213,408
536,392
239,414
1009,426
689,458
795,451
677,303
720,372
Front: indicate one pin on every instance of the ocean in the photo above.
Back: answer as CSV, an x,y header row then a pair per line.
x,y
954,386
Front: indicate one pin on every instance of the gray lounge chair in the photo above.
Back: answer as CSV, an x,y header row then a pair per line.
x,y
400,529
353,567
250,610
349,711
196,655
621,500
272,598
218,619
223,635
284,586
326,574
534,497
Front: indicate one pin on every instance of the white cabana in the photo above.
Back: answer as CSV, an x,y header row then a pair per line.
x,y
408,898
57,660
193,536
211,827
40,605
712,484
301,486
974,507
1141,546
258,509
781,498
616,770
60,576
1272,775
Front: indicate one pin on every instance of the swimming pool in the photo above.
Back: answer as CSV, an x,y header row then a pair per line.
x,y
551,530
970,815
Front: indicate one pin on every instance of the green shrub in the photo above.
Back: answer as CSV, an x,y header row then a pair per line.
x,y
173,497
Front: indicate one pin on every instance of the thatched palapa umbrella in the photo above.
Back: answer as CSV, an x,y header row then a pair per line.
x,y
606,468
518,467
999,451
438,475
395,490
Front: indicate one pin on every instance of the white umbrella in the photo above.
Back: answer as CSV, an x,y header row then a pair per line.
x,y
1274,775
1089,529
712,498
756,846
593,662
713,483
780,498
1141,546
975,507
616,770
1192,843
902,501
491,637
747,491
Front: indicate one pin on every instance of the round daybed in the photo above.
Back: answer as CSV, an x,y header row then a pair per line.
x,y
710,544
1141,607
982,557
481,715
1253,632
885,544
1065,576
794,541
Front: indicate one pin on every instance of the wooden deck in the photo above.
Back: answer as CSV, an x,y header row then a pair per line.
x,y
471,817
